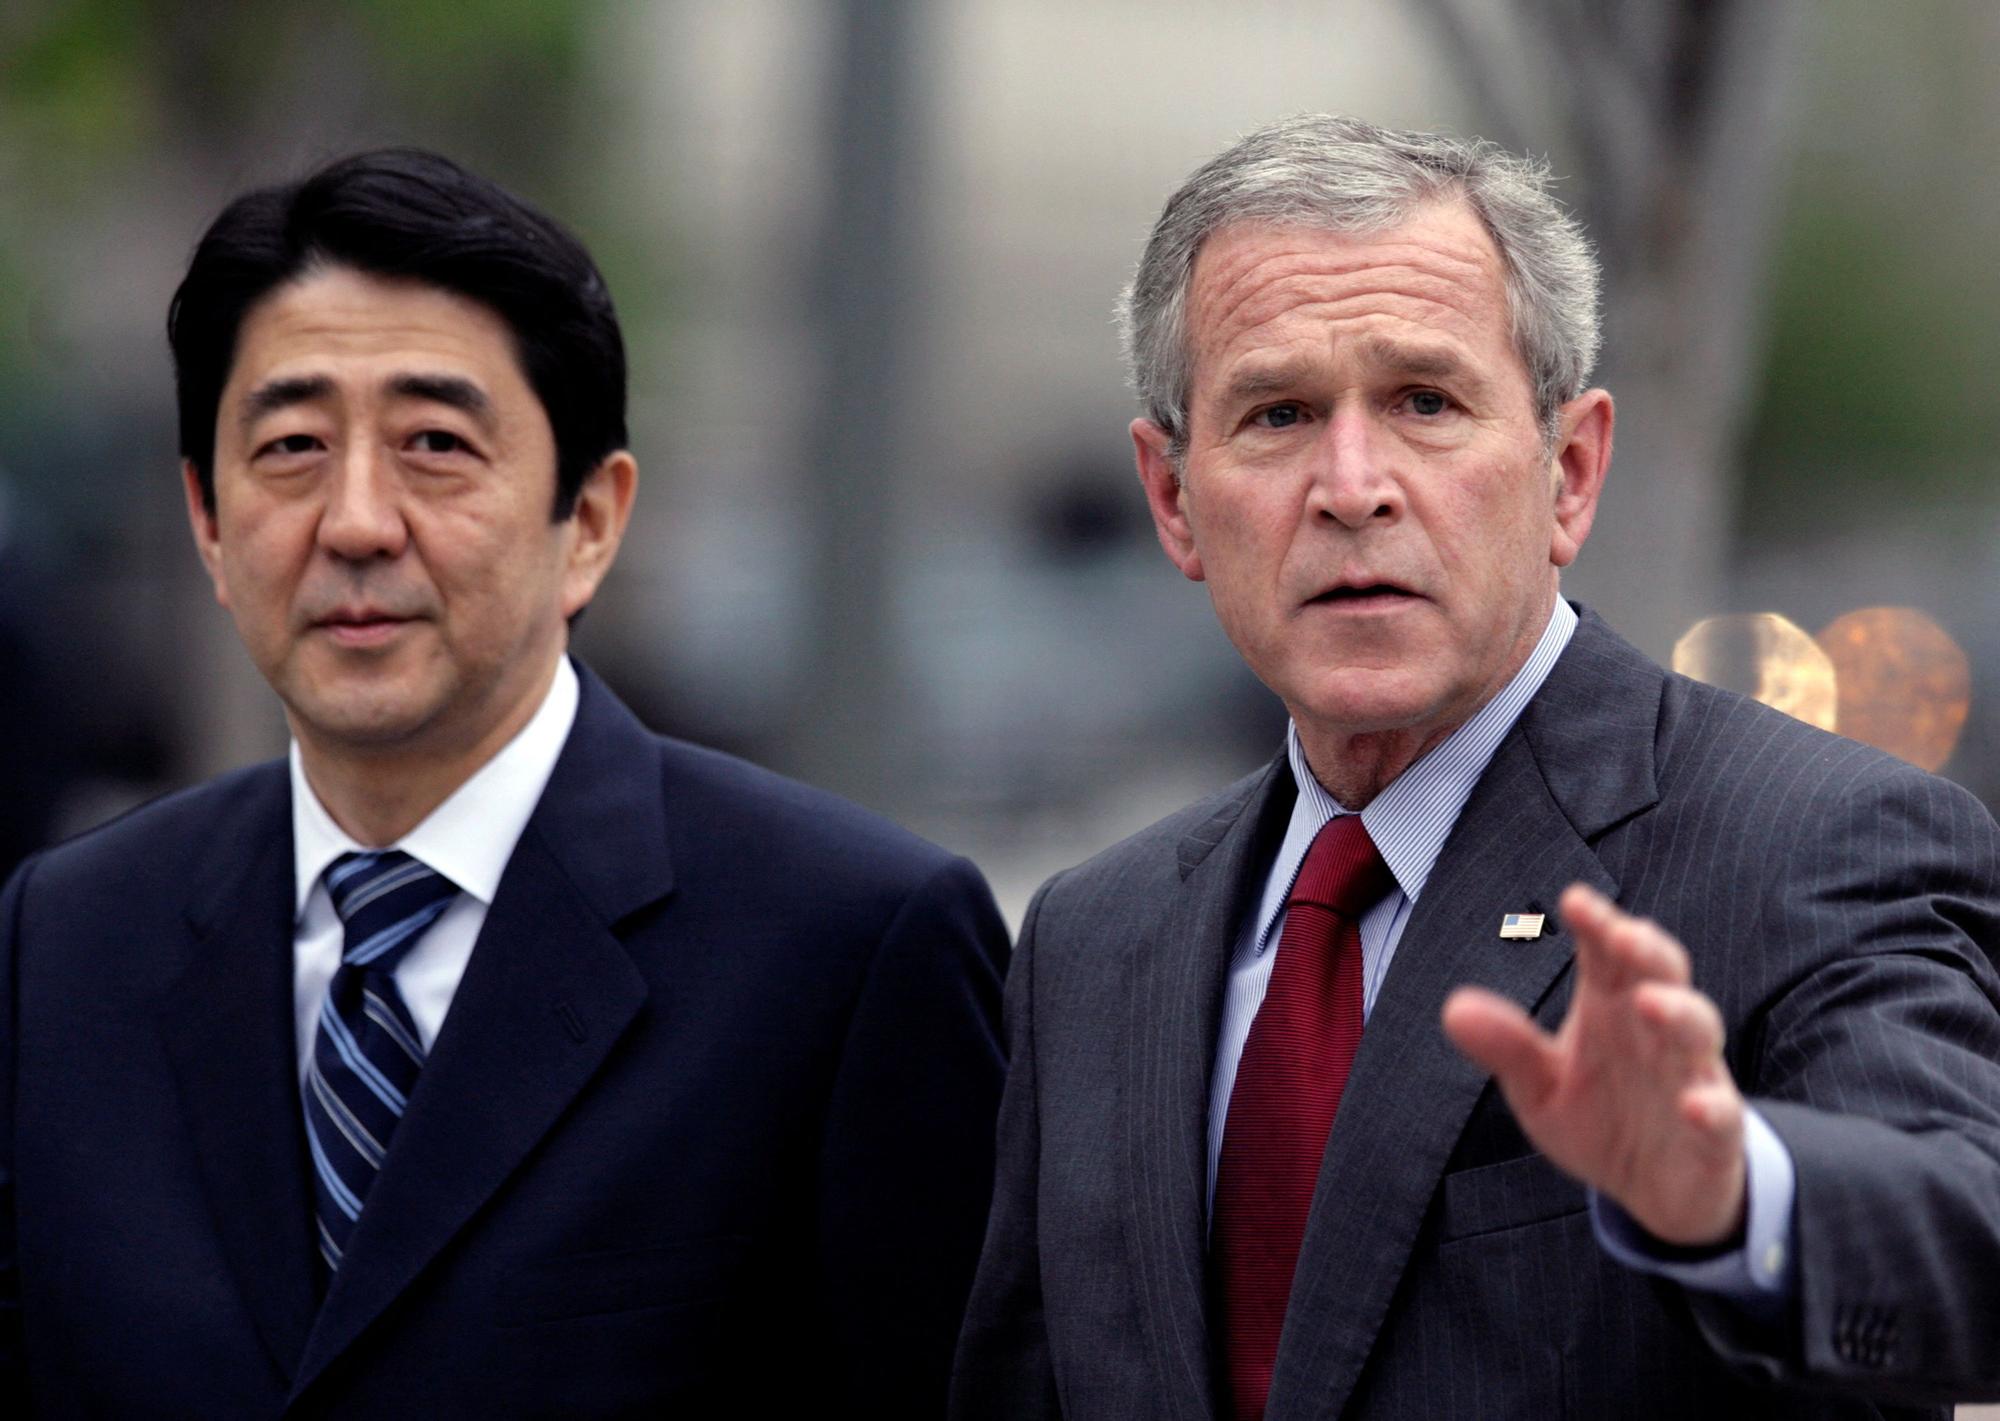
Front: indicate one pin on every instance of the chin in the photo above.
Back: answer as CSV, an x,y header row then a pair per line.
x,y
1360,702
360,721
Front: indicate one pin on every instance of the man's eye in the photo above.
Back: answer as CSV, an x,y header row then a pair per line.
x,y
438,441
291,444
1428,402
1279,416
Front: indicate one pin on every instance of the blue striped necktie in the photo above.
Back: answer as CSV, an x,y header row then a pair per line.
x,y
366,1053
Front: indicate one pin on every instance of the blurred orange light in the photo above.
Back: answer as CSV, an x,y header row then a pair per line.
x,y
1765,656
1905,685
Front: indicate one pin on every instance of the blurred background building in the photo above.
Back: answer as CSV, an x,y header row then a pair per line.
x,y
888,536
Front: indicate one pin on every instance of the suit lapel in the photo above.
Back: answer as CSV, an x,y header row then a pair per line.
x,y
548,991
1176,980
228,1027
1579,760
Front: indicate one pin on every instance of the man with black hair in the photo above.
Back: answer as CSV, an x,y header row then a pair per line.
x,y
492,1055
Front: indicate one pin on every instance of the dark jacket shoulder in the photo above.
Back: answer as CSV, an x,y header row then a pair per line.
x,y
1160,855
156,846
1705,729
733,805
624,803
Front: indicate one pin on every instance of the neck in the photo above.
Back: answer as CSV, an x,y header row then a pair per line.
x,y
373,807
378,793
1356,768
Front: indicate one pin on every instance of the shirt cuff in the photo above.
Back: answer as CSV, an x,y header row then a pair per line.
x,y
1758,1274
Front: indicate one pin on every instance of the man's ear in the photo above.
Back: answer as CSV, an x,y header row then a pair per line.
x,y
603,506
1582,458
1151,445
207,534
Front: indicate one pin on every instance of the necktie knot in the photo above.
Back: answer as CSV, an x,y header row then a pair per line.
x,y
385,900
1343,870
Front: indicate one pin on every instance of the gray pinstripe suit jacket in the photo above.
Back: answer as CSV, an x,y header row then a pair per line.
x,y
1841,908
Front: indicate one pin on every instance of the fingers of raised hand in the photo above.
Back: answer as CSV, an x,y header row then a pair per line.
x,y
1615,949
1715,1108
1680,1021
1503,1040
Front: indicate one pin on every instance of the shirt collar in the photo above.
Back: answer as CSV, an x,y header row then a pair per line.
x,y
470,836
1410,819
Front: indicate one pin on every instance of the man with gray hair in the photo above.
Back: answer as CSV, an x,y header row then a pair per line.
x,y
1539,1033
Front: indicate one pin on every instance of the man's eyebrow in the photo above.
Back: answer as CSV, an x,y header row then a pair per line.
x,y
1417,362
1422,362
453,390
1258,381
274,395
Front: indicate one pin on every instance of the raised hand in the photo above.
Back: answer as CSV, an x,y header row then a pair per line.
x,y
1630,1095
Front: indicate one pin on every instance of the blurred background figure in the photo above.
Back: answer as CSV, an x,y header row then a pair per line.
x,y
73,740
866,251
36,762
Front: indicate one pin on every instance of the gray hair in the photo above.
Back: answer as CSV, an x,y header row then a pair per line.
x,y
1341,174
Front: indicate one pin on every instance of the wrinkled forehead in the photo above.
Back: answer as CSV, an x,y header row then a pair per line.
x,y
1437,273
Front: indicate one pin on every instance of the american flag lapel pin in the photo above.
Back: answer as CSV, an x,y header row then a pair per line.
x,y
1521,927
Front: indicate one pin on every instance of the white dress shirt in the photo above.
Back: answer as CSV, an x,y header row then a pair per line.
x,y
468,839
1409,822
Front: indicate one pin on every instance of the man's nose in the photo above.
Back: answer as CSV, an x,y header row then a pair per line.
x,y
1353,477
363,516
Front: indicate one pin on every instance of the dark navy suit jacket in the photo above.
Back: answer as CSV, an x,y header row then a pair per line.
x,y
708,1127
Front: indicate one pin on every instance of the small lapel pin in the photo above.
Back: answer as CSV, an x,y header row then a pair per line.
x,y
1525,927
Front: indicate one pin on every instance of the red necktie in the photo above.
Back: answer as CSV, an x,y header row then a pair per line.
x,y
1288,1085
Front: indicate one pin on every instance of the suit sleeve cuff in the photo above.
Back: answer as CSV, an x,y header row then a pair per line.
x,y
1756,1274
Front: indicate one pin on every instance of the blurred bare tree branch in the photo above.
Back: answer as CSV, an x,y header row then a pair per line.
x,y
1671,117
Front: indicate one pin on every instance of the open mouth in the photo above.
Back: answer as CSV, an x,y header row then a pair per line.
x,y
1372,594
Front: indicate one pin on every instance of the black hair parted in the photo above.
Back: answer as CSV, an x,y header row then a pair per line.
x,y
409,213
